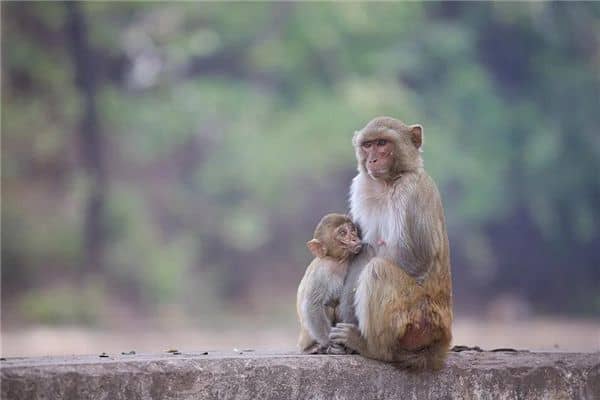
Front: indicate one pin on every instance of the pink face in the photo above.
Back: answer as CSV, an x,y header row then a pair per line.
x,y
379,157
347,235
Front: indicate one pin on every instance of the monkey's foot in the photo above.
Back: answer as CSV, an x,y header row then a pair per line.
x,y
337,349
348,335
316,349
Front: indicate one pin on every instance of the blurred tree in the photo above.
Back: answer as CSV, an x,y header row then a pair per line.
x,y
92,148
225,132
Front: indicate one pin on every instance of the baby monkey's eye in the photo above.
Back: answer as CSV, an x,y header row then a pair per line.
x,y
381,142
343,232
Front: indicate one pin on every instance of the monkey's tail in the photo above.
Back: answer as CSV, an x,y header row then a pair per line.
x,y
430,358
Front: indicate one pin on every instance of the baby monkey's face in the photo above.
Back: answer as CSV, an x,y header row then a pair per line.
x,y
347,236
335,237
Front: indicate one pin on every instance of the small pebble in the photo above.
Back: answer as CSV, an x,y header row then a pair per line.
x,y
504,349
461,348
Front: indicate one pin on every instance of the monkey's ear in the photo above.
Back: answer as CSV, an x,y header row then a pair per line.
x,y
416,135
316,248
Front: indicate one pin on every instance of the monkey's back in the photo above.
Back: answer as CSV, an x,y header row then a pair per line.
x,y
438,286
322,282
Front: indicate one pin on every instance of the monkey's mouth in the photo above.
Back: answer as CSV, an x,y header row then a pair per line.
x,y
377,173
356,248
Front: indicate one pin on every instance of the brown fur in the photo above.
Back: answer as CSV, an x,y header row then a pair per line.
x,y
397,300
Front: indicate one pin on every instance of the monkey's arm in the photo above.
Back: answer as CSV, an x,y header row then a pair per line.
x,y
355,267
423,223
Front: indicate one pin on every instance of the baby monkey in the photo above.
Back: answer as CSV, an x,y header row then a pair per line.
x,y
335,241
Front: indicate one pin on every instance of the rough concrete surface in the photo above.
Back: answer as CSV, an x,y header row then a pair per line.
x,y
251,375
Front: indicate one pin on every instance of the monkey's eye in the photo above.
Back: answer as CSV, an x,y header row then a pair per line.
x,y
343,232
366,145
381,142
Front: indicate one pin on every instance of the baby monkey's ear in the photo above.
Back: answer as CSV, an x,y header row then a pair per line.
x,y
317,248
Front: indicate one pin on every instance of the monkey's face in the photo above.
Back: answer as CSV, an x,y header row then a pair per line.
x,y
386,147
378,157
346,235
336,237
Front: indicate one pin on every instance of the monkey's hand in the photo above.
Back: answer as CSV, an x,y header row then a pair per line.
x,y
348,335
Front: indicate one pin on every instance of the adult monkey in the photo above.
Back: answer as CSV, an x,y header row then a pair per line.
x,y
397,298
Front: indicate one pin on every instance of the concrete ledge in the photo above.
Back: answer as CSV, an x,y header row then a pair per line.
x,y
468,375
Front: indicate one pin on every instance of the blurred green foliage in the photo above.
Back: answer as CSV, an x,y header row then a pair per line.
x,y
62,305
227,127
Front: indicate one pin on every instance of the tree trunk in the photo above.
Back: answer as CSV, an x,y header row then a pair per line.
x,y
91,146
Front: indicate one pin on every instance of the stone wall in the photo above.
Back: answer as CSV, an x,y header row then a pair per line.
x,y
252,375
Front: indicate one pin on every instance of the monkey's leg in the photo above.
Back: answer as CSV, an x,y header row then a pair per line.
x,y
384,295
334,348
306,344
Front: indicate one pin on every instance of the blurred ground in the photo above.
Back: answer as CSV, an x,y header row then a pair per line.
x,y
541,334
